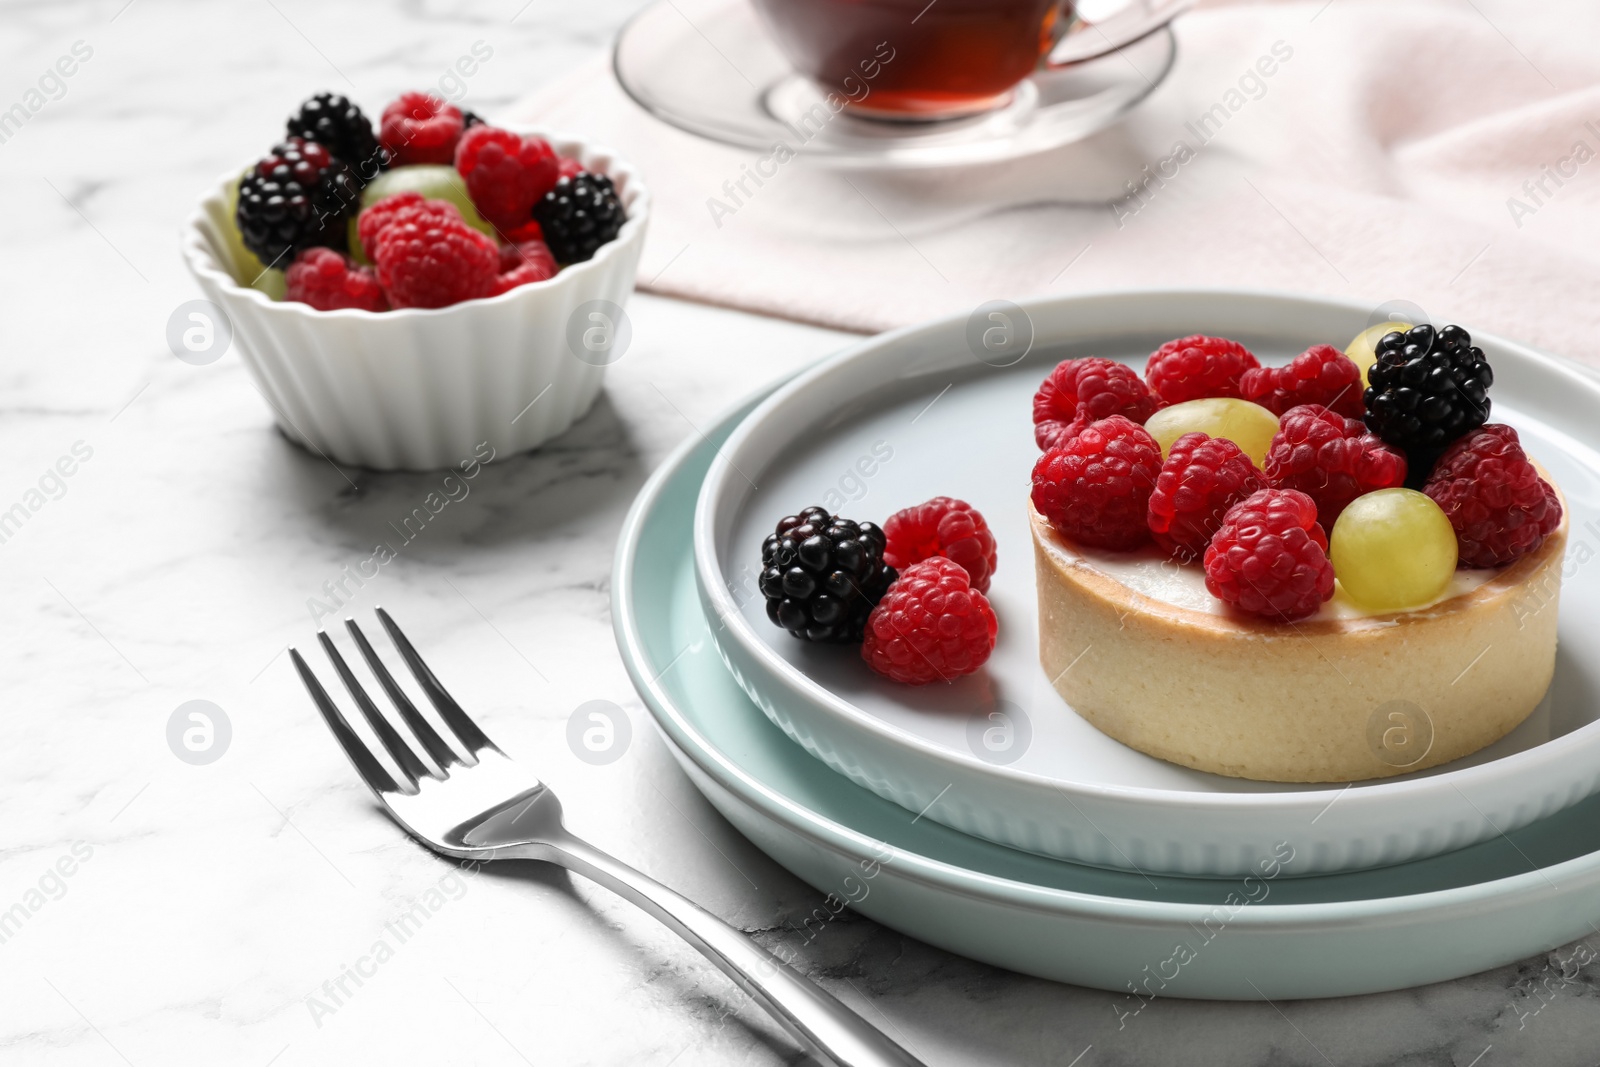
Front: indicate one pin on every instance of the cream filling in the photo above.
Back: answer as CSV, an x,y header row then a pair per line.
x,y
1149,572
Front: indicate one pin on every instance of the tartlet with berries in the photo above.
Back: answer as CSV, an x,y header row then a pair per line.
x,y
1321,572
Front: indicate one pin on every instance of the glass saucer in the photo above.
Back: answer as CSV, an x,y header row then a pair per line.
x,y
709,67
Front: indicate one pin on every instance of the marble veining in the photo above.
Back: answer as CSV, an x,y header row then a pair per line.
x,y
180,913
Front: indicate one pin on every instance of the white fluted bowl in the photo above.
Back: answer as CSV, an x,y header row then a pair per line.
x,y
422,389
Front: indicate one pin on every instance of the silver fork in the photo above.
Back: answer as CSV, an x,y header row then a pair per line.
x,y
482,806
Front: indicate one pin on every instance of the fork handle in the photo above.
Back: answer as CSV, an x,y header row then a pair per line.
x,y
828,1030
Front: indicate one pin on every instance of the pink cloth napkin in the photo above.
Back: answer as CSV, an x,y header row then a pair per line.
x,y
1445,153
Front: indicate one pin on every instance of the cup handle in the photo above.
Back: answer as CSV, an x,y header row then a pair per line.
x,y
1083,40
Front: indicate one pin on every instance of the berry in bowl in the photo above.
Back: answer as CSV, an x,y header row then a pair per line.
x,y
1287,576
403,296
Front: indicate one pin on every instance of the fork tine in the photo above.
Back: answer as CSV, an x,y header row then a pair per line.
x,y
371,771
442,753
459,721
398,750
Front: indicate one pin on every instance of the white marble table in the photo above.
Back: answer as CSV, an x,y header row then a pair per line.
x,y
212,912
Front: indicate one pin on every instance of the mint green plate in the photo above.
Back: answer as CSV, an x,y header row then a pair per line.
x,y
1265,935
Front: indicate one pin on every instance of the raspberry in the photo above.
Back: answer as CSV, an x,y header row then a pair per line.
x,y
822,575
1331,459
569,168
1192,368
1202,478
528,231
1501,509
1095,489
942,527
1080,391
522,263
409,207
1270,557
327,281
1320,375
505,173
429,261
420,128
931,626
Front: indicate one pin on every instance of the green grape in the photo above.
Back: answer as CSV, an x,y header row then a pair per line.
x,y
1363,350
1250,426
1392,550
435,181
272,282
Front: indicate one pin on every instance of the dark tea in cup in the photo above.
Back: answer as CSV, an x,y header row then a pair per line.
x,y
913,59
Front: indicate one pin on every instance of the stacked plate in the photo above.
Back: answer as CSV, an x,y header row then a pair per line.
x,y
985,816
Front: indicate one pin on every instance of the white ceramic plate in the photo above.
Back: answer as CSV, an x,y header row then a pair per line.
x,y
1319,936
930,418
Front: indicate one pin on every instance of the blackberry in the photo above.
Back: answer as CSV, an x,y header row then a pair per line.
x,y
579,215
822,575
469,119
1427,388
341,127
298,196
